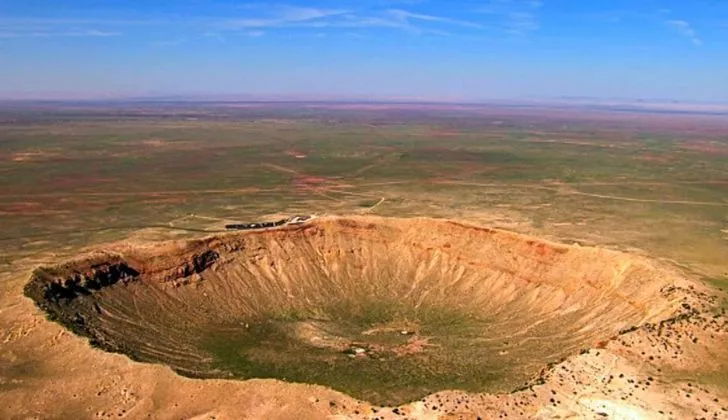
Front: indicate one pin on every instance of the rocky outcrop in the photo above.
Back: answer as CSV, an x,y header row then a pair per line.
x,y
496,309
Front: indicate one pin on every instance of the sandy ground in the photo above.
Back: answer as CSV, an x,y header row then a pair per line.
x,y
48,372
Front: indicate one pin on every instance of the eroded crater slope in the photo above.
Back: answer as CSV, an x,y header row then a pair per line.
x,y
387,310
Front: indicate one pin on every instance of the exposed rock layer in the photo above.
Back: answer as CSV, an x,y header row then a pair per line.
x,y
542,301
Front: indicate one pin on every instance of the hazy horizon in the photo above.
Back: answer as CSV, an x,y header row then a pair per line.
x,y
151,98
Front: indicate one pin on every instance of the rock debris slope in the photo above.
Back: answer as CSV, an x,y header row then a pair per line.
x,y
388,310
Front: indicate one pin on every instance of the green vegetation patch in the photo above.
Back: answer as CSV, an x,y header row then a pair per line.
x,y
381,352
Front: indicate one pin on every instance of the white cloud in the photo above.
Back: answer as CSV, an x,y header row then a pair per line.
x,y
91,33
316,18
286,16
407,16
168,43
515,17
256,20
685,29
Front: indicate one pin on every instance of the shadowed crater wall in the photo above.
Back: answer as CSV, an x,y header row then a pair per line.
x,y
387,310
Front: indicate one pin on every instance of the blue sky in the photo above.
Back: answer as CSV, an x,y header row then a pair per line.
x,y
426,49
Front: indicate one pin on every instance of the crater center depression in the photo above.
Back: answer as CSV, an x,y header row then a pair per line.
x,y
386,310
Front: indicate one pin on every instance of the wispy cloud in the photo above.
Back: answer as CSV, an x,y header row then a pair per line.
x,y
515,17
356,21
256,20
214,35
300,17
521,23
39,27
286,16
168,43
92,33
404,15
685,29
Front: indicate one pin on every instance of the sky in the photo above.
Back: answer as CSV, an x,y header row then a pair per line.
x,y
367,49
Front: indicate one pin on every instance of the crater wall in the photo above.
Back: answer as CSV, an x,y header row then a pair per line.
x,y
449,304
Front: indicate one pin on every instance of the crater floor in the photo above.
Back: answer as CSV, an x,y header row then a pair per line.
x,y
386,310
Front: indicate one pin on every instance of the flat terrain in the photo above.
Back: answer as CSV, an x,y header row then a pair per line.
x,y
73,176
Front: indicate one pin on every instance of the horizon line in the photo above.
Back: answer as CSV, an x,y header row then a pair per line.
x,y
9,96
